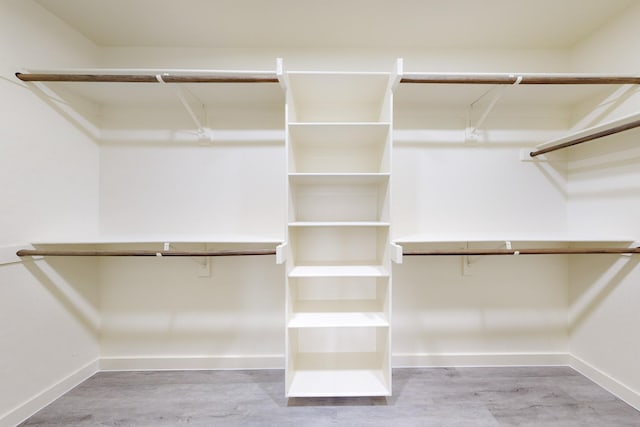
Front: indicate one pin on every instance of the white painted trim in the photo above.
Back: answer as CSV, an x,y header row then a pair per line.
x,y
45,397
610,384
277,361
480,359
191,363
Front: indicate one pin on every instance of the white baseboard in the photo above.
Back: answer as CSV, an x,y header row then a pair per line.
x,y
191,363
610,384
277,361
480,359
42,399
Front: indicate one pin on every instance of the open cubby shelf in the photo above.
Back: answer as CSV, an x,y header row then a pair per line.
x,y
339,132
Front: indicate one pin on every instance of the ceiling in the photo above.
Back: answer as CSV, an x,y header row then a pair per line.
x,y
501,24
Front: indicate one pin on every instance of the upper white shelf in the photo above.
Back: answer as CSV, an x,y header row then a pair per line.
x,y
156,94
559,90
169,238
338,178
339,224
361,93
516,237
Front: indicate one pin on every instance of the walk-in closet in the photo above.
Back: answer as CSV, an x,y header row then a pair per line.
x,y
319,213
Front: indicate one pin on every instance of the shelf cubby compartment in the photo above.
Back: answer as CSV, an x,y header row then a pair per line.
x,y
341,199
342,361
336,96
321,295
339,246
339,148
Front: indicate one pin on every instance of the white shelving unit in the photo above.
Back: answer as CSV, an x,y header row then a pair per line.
x,y
339,128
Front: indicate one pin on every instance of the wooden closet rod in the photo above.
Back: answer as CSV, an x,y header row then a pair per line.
x,y
148,78
551,251
587,138
524,79
38,252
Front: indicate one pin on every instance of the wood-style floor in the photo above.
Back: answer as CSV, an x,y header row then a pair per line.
x,y
539,396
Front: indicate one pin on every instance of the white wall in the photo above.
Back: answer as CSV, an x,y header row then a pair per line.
x,y
507,310
154,185
162,314
158,313
604,195
48,169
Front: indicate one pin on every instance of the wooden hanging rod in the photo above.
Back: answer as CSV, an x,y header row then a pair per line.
x,y
148,78
38,252
524,79
551,251
587,138
532,79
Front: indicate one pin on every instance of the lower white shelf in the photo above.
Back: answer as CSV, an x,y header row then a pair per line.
x,y
342,374
338,271
338,320
339,383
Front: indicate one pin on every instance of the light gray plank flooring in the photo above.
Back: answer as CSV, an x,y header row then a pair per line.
x,y
539,396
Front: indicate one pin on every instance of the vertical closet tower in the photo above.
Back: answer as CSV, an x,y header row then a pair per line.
x,y
338,284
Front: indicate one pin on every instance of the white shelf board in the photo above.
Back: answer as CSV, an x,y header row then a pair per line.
x,y
338,73
338,320
515,237
339,383
171,238
339,271
343,125
337,178
339,224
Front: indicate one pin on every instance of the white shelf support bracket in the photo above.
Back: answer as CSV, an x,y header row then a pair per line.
x,y
396,253
480,109
526,157
204,269
396,77
282,78
635,244
204,263
195,108
466,263
281,256
508,246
